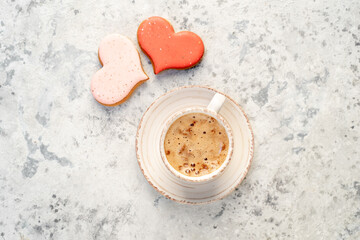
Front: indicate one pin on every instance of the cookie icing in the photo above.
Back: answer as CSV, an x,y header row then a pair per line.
x,y
121,72
166,48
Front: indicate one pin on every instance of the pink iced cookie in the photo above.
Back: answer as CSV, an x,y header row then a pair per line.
x,y
121,73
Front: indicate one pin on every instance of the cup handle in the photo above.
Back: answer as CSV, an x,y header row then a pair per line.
x,y
216,102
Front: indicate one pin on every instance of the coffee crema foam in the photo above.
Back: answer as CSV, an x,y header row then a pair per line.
x,y
196,144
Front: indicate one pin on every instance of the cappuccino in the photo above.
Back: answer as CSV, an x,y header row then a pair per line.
x,y
196,144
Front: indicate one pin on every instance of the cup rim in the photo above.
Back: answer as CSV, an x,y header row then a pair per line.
x,y
221,120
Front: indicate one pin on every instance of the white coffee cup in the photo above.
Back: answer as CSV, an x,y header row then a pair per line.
x,y
211,110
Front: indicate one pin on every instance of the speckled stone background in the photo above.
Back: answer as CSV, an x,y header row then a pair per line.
x,y
68,168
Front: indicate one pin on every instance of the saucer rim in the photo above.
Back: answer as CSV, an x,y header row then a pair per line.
x,y
251,148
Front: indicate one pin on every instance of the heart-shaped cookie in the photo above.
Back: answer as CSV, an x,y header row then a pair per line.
x,y
121,72
166,48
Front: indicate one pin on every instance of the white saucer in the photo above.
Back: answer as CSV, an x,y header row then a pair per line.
x,y
148,147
